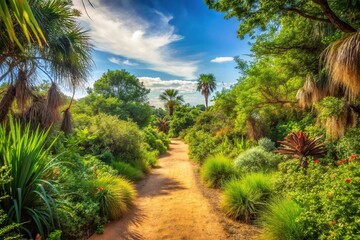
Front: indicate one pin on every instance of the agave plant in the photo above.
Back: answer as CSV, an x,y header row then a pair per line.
x,y
300,146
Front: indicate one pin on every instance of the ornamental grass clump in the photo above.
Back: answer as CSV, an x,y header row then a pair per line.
x,y
243,199
115,195
217,170
279,221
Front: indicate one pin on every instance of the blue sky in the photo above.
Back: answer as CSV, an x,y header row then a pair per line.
x,y
165,43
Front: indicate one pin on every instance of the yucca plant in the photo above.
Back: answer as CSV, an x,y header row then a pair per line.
x,y
300,146
31,203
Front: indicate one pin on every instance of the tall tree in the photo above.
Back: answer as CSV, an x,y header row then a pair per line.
x,y
171,98
122,85
206,84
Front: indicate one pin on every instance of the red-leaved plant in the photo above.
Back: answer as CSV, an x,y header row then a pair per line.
x,y
299,145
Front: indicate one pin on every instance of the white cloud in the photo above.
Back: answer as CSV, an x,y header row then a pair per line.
x,y
222,59
124,32
118,61
185,88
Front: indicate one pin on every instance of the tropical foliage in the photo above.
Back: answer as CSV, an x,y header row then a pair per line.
x,y
171,97
206,85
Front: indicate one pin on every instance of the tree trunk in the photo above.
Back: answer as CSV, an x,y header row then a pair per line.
x,y
335,20
206,102
171,110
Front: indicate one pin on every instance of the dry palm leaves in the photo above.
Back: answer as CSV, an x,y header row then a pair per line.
x,y
7,101
23,93
54,101
342,60
299,145
66,125
36,112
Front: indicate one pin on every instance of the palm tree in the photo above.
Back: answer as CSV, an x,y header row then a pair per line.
x,y
65,59
171,98
206,84
21,12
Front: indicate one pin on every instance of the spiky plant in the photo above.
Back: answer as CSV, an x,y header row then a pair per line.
x,y
31,200
300,146
162,125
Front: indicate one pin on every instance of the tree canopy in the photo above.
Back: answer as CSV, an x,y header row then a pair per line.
x,y
122,85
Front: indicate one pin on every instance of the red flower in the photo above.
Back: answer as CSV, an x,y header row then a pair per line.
x,y
343,160
94,168
352,156
101,188
348,180
95,175
56,171
332,223
316,161
339,162
328,194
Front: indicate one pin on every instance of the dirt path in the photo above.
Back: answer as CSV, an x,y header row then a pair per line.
x,y
169,205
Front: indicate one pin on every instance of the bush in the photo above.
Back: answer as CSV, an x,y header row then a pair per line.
x,y
156,140
266,144
217,170
201,145
127,171
256,159
243,199
115,195
349,144
328,196
122,139
279,221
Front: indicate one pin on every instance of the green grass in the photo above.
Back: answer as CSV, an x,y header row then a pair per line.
x,y
244,199
217,170
127,171
279,221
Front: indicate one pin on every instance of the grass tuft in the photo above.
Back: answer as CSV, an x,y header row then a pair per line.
x,y
217,170
279,221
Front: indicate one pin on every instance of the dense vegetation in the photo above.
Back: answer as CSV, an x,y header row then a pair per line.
x,y
282,143
290,123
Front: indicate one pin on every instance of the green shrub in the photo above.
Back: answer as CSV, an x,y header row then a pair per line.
x,y
7,230
55,235
109,134
115,195
156,140
266,144
256,159
30,189
243,199
349,144
279,221
160,146
201,145
328,196
127,171
150,159
217,170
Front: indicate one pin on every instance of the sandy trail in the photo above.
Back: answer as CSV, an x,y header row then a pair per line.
x,y
169,205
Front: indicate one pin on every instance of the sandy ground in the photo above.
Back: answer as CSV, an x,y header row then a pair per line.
x,y
170,205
